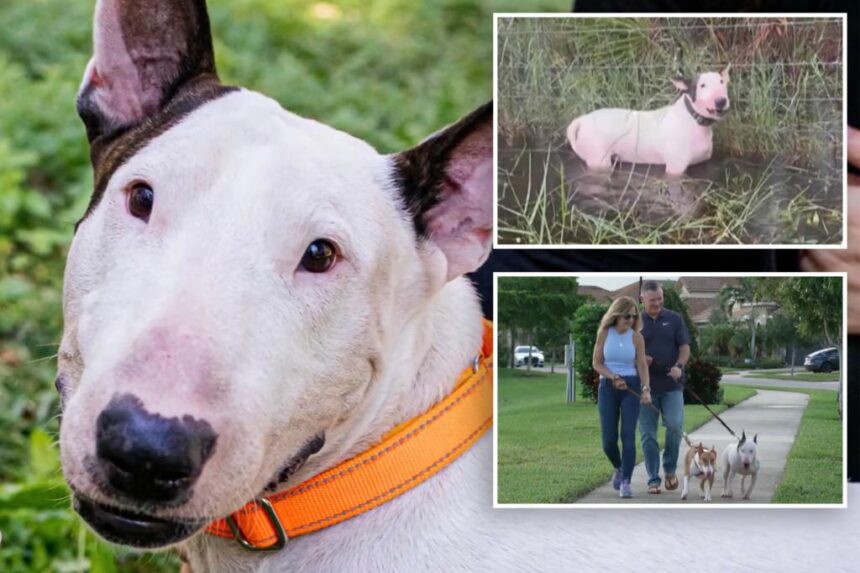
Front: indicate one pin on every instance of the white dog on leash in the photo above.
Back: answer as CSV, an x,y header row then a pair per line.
x,y
676,135
742,459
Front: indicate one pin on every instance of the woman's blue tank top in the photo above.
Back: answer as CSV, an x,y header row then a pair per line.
x,y
619,354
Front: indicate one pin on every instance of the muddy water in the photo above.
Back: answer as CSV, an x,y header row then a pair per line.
x,y
652,199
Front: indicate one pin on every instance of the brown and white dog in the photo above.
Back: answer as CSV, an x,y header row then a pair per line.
x,y
701,463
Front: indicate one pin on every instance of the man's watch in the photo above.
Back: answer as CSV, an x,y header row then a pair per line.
x,y
679,366
646,389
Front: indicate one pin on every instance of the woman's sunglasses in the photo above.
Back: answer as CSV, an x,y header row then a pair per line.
x,y
629,316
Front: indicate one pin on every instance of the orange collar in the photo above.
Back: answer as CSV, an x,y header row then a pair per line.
x,y
407,456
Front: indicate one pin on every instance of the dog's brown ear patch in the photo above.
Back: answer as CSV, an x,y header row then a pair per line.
x,y
143,51
687,86
152,65
446,185
682,84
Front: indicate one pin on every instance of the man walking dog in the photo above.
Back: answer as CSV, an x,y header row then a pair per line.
x,y
667,350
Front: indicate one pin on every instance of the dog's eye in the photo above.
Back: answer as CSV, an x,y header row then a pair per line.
x,y
701,86
140,199
319,257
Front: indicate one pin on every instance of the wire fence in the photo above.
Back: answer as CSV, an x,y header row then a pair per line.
x,y
734,99
714,24
712,66
786,76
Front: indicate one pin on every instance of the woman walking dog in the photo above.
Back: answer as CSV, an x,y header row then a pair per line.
x,y
619,358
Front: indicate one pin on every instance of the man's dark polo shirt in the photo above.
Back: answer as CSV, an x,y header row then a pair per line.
x,y
663,337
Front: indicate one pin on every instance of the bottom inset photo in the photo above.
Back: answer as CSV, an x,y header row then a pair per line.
x,y
683,390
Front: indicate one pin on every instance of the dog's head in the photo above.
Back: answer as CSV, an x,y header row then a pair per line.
x,y
747,450
707,460
708,92
246,284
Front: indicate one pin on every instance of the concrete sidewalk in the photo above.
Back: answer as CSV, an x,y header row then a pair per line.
x,y
775,416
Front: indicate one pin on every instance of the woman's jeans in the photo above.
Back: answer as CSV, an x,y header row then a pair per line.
x,y
613,405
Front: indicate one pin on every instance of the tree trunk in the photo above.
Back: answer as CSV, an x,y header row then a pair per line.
x,y
513,358
529,359
752,334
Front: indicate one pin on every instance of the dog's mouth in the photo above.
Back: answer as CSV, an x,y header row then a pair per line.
x,y
132,528
718,113
746,465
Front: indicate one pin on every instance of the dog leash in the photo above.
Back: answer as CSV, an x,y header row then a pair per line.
x,y
714,414
698,399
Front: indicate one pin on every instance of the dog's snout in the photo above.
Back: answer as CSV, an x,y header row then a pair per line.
x,y
721,102
147,457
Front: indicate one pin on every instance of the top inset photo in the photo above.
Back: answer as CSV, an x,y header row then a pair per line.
x,y
650,131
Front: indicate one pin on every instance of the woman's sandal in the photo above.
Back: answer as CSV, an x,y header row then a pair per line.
x,y
654,488
671,482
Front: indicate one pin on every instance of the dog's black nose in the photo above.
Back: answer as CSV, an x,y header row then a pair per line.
x,y
147,457
721,102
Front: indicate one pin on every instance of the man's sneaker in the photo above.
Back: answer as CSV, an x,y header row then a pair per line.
x,y
625,489
616,479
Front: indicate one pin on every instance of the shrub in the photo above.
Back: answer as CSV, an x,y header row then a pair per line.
x,y
769,362
703,378
584,327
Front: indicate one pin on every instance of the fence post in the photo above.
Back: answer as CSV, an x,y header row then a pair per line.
x,y
569,357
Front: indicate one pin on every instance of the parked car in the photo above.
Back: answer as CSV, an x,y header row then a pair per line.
x,y
825,360
521,355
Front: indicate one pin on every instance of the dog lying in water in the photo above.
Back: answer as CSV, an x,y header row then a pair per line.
x,y
677,135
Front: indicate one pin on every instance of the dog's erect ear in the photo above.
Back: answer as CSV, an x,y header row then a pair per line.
x,y
755,439
682,84
144,51
725,73
446,184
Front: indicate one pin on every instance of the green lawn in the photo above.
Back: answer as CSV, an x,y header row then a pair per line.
x,y
549,451
799,375
813,473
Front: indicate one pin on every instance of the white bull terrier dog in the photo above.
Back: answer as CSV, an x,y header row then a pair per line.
x,y
253,300
740,458
676,135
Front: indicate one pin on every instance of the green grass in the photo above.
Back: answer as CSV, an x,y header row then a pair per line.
x,y
813,472
549,451
800,375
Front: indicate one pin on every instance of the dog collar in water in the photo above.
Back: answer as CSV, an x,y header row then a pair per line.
x,y
407,456
700,119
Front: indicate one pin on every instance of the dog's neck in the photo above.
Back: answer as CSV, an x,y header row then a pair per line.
x,y
697,117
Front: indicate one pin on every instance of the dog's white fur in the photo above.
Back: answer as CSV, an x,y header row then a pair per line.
x,y
740,459
666,136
